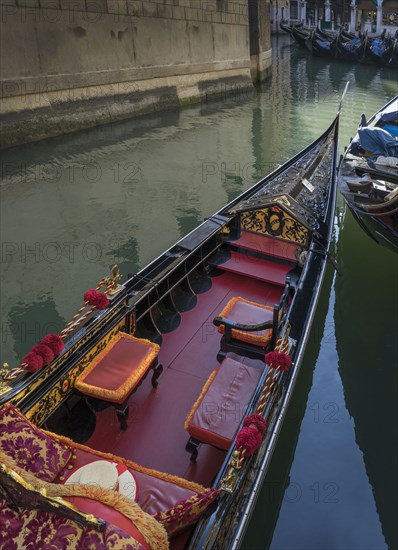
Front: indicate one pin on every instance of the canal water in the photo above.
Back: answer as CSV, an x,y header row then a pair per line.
x,y
73,206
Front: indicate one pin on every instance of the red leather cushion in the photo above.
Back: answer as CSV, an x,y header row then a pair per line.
x,y
221,409
110,515
117,370
154,494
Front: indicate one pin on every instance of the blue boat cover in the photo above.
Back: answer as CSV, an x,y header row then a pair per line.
x,y
378,142
324,44
378,47
391,116
391,129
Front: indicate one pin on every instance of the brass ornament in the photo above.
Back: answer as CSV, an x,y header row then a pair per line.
x,y
113,281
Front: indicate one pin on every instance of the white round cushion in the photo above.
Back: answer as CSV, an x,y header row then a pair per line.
x,y
101,473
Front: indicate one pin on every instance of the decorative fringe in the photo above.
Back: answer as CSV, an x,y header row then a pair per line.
x,y
153,532
120,394
199,399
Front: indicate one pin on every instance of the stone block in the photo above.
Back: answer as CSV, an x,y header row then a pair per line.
x,y
73,5
117,7
233,7
165,11
208,6
49,4
8,2
149,9
178,12
28,3
134,8
97,6
217,17
193,14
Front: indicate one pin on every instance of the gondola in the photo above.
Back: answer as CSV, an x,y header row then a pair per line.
x,y
300,35
351,50
285,27
389,56
368,179
151,419
322,46
377,50
283,24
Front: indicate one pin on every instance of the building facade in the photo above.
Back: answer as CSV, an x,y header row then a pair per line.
x,y
364,15
72,64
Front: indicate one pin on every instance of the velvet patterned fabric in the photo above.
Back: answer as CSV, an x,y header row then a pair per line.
x,y
31,449
186,512
36,529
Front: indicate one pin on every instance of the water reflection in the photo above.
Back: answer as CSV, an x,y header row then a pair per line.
x,y
366,327
28,323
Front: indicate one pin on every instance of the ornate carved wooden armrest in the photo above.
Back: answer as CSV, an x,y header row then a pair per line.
x,y
218,321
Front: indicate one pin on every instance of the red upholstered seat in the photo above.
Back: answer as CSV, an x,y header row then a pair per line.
x,y
245,312
217,414
118,369
154,494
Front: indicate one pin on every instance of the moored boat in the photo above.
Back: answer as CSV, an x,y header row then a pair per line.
x,y
322,45
300,34
241,288
368,176
285,27
378,50
389,56
352,49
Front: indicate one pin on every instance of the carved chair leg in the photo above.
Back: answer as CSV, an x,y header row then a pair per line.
x,y
192,447
157,371
122,412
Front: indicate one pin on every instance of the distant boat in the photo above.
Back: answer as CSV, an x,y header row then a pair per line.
x,y
322,45
342,45
241,290
368,179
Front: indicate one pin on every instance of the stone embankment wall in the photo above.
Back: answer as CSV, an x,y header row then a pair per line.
x,y
72,64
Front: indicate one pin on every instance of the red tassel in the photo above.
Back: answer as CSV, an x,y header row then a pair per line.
x,y
34,361
278,360
249,439
54,342
256,420
96,299
45,351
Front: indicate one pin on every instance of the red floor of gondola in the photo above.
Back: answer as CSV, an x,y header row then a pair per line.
x,y
155,436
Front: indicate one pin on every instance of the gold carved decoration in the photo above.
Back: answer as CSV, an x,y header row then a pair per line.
x,y
229,481
275,222
4,387
58,393
54,501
